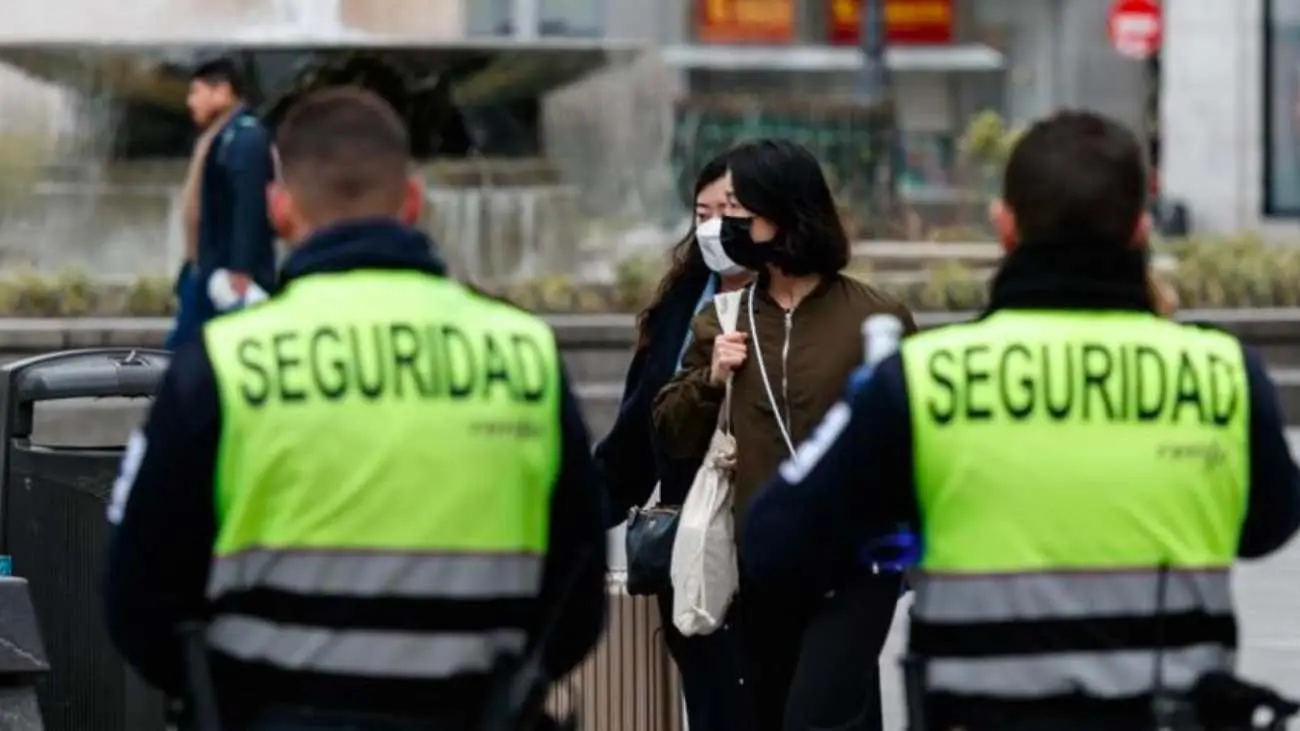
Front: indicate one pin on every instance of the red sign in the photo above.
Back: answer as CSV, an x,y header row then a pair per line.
x,y
1135,27
754,21
907,22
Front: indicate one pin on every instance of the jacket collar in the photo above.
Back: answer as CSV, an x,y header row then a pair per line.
x,y
374,243
227,121
764,279
1072,275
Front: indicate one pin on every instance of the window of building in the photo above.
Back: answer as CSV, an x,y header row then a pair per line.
x,y
490,18
544,18
1281,108
571,18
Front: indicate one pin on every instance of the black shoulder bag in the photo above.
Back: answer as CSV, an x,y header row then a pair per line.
x,y
649,548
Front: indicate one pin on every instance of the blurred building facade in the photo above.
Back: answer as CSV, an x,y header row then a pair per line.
x,y
1231,113
625,141
951,58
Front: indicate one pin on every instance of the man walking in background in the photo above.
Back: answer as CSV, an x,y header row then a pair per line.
x,y
230,255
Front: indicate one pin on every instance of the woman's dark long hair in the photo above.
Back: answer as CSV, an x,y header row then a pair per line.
x,y
783,182
687,261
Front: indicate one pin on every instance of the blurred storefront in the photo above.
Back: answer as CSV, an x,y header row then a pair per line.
x,y
950,59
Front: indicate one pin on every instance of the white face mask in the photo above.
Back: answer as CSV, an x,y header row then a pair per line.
x,y
709,237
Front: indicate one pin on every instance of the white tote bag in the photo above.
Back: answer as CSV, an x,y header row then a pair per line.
x,y
703,569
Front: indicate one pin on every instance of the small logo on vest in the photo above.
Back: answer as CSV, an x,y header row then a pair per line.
x,y
1211,453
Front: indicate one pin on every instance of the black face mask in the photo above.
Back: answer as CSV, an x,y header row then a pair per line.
x,y
738,243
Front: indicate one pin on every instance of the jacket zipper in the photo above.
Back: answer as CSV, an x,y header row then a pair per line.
x,y
785,369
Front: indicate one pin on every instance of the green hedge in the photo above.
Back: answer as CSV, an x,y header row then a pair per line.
x,y
1213,272
76,294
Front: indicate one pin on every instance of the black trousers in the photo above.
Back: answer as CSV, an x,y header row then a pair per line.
x,y
772,625
738,677
812,663
788,661
712,676
836,684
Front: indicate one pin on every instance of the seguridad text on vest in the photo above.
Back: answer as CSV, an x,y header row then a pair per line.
x,y
396,360
1081,381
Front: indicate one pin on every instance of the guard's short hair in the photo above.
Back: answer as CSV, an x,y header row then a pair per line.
x,y
1076,175
344,149
220,71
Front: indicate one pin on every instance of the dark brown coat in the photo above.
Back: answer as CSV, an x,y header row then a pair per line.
x,y
825,346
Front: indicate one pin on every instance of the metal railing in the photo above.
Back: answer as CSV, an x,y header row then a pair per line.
x,y
629,683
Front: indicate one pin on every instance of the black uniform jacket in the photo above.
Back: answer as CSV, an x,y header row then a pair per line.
x,y
854,480
163,508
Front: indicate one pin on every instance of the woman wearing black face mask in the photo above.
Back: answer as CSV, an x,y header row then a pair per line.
x,y
808,658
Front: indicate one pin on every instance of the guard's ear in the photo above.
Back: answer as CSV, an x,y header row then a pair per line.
x,y
1163,296
1003,220
412,201
281,210
1142,231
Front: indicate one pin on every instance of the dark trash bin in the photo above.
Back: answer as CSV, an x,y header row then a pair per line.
x,y
53,525
22,657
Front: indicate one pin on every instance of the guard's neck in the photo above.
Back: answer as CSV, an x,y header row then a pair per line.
x,y
221,119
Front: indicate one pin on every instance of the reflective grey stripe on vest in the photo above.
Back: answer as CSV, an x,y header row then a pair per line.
x,y
1101,675
379,574
1070,595
362,652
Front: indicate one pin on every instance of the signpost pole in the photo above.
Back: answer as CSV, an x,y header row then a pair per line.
x,y
876,93
873,78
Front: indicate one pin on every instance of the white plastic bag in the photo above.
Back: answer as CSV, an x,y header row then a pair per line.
x,y
703,570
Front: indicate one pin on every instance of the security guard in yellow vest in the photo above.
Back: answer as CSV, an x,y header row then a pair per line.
x,y
374,486
1081,473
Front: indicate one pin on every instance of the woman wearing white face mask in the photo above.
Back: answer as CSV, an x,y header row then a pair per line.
x,y
708,235
632,464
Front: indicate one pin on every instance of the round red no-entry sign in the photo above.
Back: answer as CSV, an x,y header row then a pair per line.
x,y
1135,27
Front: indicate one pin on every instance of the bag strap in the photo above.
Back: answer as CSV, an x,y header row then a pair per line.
x,y
727,305
767,382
